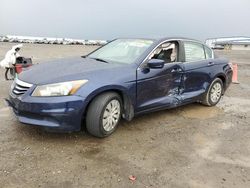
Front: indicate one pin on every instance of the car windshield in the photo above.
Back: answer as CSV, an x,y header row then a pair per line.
x,y
122,50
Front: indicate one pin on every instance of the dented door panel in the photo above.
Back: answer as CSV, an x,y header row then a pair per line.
x,y
196,79
157,88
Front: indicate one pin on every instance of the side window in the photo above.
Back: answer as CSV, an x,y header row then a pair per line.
x,y
194,51
167,51
209,53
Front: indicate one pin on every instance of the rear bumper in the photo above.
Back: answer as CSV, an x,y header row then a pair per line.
x,y
59,114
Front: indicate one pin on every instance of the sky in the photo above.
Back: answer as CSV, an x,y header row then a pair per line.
x,y
109,19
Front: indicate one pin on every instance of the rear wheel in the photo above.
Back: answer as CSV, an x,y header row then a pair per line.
x,y
104,114
214,93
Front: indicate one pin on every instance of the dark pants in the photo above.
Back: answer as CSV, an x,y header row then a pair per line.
x,y
12,73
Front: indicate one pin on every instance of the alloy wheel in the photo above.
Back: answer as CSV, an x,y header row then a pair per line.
x,y
111,115
216,92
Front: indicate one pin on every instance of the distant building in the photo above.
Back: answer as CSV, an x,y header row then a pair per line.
x,y
229,43
235,45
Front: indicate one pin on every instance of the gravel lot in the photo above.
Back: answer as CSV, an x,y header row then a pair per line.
x,y
191,146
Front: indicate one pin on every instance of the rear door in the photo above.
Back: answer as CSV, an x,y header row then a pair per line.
x,y
197,70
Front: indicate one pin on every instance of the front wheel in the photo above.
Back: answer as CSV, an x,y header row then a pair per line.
x,y
214,93
104,114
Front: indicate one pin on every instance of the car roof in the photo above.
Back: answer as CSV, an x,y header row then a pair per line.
x,y
179,38
165,39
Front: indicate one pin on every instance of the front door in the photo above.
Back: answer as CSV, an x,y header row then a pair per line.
x,y
159,88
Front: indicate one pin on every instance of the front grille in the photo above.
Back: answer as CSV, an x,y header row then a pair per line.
x,y
19,87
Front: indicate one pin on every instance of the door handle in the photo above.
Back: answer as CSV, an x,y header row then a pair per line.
x,y
210,63
176,70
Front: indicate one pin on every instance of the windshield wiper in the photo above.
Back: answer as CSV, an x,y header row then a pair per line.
x,y
99,59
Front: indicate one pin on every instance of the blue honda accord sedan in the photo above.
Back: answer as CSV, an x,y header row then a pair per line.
x,y
121,79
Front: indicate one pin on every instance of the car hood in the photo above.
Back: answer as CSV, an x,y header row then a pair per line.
x,y
70,69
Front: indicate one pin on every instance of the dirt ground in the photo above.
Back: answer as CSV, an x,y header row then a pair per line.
x,y
191,146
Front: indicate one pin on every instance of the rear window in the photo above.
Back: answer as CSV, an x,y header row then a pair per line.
x,y
209,53
194,51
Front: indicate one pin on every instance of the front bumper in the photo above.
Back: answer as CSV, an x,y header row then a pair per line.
x,y
60,114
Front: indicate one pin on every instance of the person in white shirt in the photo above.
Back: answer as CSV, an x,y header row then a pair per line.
x,y
10,60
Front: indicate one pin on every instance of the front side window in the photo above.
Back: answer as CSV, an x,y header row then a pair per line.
x,y
194,51
166,51
122,50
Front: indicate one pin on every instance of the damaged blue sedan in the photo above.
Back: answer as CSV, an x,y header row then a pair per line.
x,y
122,79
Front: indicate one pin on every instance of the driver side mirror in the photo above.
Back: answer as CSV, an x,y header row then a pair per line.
x,y
156,63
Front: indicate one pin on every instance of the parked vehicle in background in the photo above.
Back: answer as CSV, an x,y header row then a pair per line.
x,y
122,79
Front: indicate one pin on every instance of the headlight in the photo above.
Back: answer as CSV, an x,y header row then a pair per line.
x,y
58,89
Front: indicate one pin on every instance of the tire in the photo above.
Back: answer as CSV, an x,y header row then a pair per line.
x,y
104,114
214,93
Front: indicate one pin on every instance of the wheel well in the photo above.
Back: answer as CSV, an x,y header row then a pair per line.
x,y
127,106
106,91
222,79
